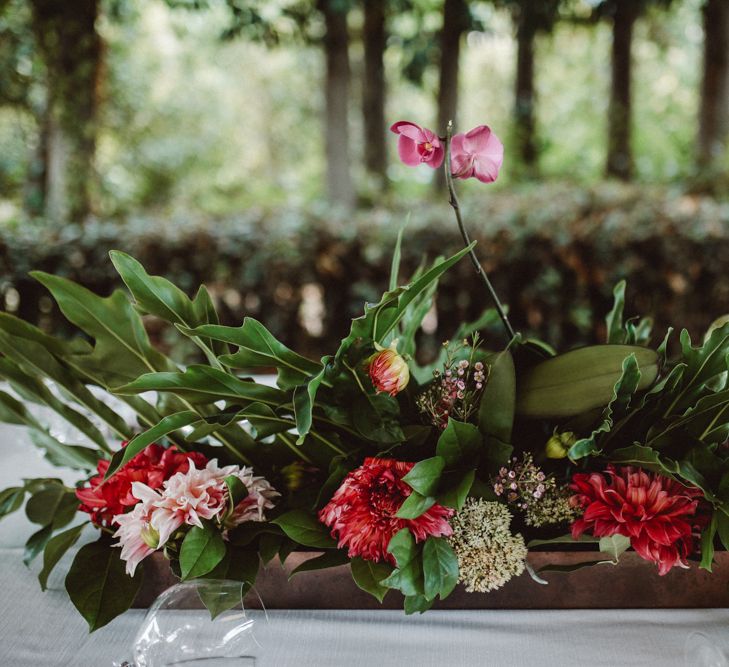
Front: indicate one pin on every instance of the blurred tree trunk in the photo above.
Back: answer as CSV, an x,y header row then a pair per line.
x,y
71,50
373,93
340,190
455,23
524,88
714,110
619,158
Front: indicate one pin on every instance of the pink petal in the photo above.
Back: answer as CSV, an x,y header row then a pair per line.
x,y
436,159
407,149
410,130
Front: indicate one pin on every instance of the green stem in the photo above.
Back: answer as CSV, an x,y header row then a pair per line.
x,y
453,201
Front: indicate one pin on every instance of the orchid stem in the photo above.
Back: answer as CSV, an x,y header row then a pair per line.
x,y
453,201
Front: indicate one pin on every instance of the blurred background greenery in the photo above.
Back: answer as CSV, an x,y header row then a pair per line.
x,y
207,135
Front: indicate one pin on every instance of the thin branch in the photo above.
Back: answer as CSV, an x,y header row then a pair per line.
x,y
453,201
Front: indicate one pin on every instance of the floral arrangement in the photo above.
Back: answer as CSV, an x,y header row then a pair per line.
x,y
419,477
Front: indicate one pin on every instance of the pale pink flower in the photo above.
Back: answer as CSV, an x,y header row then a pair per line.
x,y
478,153
260,497
418,145
136,536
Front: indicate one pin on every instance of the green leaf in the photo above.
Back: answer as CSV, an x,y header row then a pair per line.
x,y
414,506
36,543
237,565
237,491
305,529
98,585
54,505
268,546
258,348
623,391
326,560
581,380
417,603
385,315
304,396
63,455
498,400
202,549
368,576
722,526
122,348
402,547
377,418
440,568
707,544
459,444
562,539
206,384
614,319
455,494
425,475
57,546
11,500
138,443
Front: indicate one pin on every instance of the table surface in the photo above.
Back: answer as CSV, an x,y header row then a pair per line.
x,y
39,629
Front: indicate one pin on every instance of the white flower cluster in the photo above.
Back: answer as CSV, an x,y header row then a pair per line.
x,y
488,553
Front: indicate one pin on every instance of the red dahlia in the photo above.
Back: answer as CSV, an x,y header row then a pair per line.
x,y
152,466
657,513
361,514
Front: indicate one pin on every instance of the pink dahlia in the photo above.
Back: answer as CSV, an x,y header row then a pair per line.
x,y
658,514
361,514
104,499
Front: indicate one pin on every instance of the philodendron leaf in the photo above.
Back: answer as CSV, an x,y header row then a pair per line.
x,y
57,546
305,529
498,400
258,348
304,396
368,576
440,568
707,544
98,584
205,384
202,549
137,444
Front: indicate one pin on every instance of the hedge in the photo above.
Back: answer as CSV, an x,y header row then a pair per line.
x,y
554,252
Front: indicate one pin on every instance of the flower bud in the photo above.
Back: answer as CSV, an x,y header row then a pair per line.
x,y
559,444
150,536
388,371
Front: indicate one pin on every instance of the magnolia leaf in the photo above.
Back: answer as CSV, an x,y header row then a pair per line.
x,y
368,576
305,529
424,476
498,400
98,584
415,505
202,549
57,546
459,444
326,560
440,568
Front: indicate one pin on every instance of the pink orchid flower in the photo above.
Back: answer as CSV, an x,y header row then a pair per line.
x,y
418,145
478,153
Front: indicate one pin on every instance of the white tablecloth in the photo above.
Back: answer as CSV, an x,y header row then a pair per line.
x,y
42,629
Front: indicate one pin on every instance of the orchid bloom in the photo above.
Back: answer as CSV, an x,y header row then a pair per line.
x,y
478,153
418,145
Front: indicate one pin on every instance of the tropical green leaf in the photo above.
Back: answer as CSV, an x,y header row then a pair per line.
x,y
326,560
417,603
304,396
11,500
455,494
205,384
707,544
98,585
258,348
36,543
54,505
138,443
